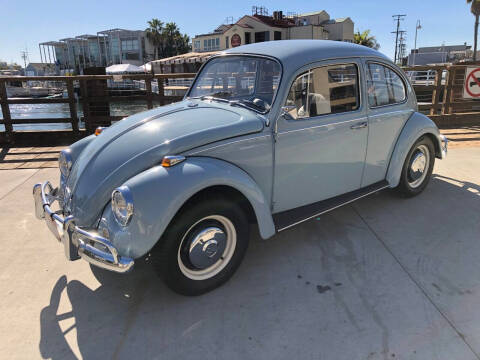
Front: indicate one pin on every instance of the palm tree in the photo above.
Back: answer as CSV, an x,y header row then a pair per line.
x,y
174,42
154,33
475,9
364,38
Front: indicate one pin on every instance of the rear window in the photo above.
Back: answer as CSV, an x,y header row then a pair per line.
x,y
384,86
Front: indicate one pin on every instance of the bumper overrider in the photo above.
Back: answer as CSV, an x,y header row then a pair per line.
x,y
77,242
444,142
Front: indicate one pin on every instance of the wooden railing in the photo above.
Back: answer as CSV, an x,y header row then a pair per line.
x,y
441,99
86,98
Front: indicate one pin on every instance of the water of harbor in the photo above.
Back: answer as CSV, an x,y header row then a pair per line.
x,y
39,111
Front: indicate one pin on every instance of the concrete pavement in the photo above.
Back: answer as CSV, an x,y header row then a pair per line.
x,y
383,278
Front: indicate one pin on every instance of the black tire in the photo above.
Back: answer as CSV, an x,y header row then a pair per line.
x,y
407,186
167,257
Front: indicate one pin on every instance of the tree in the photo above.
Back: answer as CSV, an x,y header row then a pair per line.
x,y
364,38
167,40
174,42
475,9
154,33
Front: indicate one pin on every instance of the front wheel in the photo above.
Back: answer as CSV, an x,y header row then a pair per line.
x,y
202,247
418,167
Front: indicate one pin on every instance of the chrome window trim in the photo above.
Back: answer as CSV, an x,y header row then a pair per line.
x,y
187,94
398,74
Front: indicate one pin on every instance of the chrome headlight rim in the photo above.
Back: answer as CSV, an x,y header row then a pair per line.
x,y
122,216
65,162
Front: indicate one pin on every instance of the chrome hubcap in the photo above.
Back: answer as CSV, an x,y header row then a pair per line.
x,y
419,163
207,247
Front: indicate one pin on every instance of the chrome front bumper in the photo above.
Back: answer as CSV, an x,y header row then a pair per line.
x,y
77,242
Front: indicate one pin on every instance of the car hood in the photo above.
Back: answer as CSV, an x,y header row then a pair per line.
x,y
139,142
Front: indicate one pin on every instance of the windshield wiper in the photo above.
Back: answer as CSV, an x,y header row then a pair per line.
x,y
246,104
263,108
214,98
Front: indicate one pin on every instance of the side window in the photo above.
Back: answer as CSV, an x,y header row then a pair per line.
x,y
324,90
384,86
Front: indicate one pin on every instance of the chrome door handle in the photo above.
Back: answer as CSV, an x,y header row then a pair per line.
x,y
360,125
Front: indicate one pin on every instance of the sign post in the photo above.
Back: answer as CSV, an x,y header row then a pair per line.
x,y
471,87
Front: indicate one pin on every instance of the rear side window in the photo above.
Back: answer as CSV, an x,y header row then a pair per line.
x,y
324,90
384,86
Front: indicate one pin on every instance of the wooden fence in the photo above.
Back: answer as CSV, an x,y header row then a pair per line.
x,y
440,96
88,99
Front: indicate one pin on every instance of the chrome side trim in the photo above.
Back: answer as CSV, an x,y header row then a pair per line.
x,y
323,125
390,112
333,208
226,144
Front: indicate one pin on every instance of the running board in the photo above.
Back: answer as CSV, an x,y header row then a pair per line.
x,y
286,219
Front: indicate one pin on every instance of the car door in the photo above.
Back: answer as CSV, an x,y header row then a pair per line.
x,y
388,110
321,136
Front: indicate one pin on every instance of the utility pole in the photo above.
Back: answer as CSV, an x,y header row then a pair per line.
x,y
401,45
24,55
397,18
417,27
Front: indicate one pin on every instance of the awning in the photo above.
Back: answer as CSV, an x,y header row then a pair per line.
x,y
124,69
191,57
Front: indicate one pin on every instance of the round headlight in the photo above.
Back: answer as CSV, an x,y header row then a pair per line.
x,y
65,162
122,205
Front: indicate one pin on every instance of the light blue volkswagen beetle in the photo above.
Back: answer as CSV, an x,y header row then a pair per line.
x,y
272,133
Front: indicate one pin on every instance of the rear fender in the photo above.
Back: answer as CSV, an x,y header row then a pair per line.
x,y
416,126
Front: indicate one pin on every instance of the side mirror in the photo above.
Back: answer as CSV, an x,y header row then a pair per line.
x,y
286,111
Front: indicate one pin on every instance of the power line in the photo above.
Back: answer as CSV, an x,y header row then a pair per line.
x,y
398,18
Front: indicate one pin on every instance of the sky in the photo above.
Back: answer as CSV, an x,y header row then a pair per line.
x,y
23,25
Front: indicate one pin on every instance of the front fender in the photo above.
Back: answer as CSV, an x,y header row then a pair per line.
x,y
77,147
416,126
158,194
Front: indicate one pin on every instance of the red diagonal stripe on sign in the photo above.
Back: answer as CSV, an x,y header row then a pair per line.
x,y
475,78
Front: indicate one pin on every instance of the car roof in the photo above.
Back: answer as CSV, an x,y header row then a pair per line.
x,y
297,53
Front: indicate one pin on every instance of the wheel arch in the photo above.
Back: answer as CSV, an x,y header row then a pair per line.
x,y
160,194
417,125
225,191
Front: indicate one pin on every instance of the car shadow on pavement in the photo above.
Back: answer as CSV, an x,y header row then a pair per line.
x,y
103,317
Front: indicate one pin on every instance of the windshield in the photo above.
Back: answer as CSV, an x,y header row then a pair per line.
x,y
248,80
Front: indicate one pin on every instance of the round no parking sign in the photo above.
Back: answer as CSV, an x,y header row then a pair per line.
x,y
471,88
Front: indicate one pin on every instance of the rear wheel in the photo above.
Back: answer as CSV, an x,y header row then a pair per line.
x,y
418,167
202,247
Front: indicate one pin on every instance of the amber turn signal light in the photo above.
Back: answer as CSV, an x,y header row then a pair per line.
x,y
99,130
170,160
